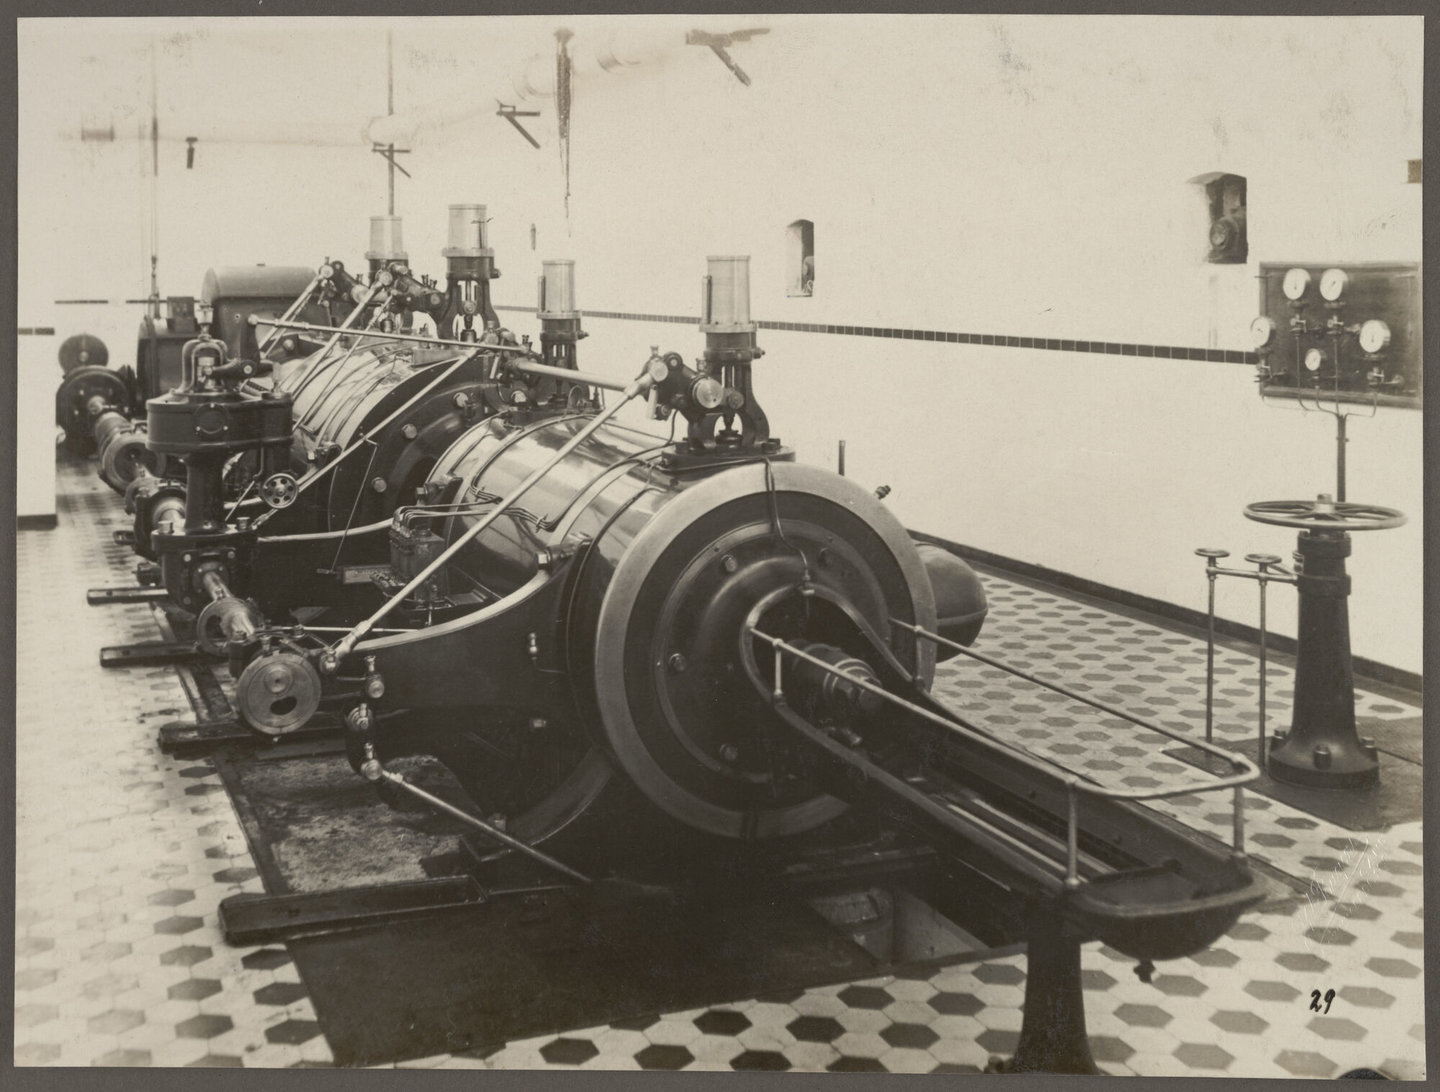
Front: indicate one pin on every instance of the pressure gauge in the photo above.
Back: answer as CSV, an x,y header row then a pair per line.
x,y
1297,280
1374,336
1332,283
1262,332
327,271
1314,360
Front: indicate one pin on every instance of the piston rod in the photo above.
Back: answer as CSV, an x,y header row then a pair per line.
x,y
529,368
290,313
420,338
374,771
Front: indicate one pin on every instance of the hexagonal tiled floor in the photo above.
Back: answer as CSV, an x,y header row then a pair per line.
x,y
123,855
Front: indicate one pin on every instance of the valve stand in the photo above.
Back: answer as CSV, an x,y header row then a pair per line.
x,y
720,393
1322,748
470,267
1334,362
559,320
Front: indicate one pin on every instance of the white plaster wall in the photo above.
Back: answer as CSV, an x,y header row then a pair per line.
x,y
1022,175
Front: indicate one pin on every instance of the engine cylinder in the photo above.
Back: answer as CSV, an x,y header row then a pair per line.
x,y
672,564
341,398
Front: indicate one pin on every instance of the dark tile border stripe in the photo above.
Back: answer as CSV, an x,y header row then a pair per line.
x,y
41,331
1007,341
37,523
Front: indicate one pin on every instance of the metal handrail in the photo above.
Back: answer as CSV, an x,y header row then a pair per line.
x,y
1247,771
1230,756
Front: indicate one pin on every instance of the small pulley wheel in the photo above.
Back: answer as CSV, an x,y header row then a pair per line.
x,y
211,633
280,490
278,692
1324,514
80,350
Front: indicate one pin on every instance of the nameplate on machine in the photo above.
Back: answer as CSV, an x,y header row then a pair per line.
x,y
362,574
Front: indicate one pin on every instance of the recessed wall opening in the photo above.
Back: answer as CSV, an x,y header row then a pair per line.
x,y
1225,201
800,258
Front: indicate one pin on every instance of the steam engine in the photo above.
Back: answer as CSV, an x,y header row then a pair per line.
x,y
661,657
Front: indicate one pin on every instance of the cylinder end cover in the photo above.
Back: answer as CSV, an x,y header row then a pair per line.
x,y
278,692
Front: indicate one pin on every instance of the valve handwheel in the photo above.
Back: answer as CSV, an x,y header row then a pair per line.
x,y
1323,749
1324,514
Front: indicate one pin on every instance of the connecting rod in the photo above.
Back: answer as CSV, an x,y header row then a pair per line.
x,y
290,313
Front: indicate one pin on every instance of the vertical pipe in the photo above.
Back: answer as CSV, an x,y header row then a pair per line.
x,y
842,459
1072,834
1210,655
779,688
1239,808
390,105
1340,443
1260,741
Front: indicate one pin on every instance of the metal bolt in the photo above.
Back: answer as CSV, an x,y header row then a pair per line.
x,y
410,432
728,563
538,724
378,484
678,662
729,752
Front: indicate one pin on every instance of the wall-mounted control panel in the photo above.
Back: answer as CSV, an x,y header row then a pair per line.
x,y
1339,332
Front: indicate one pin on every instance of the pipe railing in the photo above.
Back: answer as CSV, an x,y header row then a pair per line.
x,y
1245,770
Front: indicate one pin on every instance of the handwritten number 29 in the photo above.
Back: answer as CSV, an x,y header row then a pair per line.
x,y
1316,998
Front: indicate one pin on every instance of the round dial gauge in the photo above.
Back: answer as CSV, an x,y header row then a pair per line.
x,y
1374,336
1332,283
1262,332
326,272
1296,282
1314,360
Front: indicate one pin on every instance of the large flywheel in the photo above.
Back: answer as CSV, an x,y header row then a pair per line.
x,y
676,709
